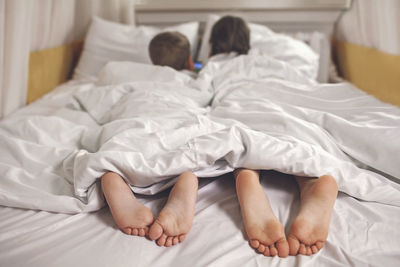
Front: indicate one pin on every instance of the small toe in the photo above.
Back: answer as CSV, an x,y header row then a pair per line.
x,y
302,249
267,252
142,232
308,251
319,244
182,237
273,250
314,249
261,248
168,242
127,230
135,231
175,240
161,241
254,243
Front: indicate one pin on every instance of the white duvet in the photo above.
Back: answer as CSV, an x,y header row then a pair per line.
x,y
149,124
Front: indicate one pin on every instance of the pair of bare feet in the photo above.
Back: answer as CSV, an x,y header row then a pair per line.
x,y
133,218
308,231
266,234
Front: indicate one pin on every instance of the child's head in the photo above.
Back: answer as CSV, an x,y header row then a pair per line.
x,y
171,49
230,34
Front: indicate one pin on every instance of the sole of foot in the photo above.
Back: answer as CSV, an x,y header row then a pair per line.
x,y
310,228
265,232
176,218
131,216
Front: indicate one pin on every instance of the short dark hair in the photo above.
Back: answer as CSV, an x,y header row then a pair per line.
x,y
170,49
230,34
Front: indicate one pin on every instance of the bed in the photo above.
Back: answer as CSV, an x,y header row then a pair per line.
x,y
52,210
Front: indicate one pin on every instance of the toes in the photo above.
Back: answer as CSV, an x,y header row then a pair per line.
x,y
168,242
155,231
281,248
261,248
142,232
182,237
270,250
267,252
302,249
308,251
254,243
319,244
161,241
314,249
127,230
294,246
273,251
135,231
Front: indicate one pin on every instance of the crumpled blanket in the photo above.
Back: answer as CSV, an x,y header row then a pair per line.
x,y
149,124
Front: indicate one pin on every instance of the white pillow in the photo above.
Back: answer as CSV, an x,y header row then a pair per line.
x,y
265,41
110,41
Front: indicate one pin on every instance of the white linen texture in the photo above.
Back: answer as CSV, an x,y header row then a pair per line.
x,y
264,114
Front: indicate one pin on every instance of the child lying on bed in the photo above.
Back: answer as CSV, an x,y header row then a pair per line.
x,y
310,228
175,219
172,49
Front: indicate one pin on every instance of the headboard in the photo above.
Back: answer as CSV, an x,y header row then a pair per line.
x,y
287,16
49,68
283,15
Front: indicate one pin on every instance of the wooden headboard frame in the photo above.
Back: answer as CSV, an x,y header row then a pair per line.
x,y
281,16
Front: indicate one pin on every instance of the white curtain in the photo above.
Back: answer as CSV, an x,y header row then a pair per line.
x,y
15,17
372,23
31,25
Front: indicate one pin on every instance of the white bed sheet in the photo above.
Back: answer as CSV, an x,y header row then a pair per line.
x,y
361,234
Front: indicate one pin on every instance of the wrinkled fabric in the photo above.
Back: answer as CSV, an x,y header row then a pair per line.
x,y
264,115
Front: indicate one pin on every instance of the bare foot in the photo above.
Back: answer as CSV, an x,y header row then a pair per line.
x,y
175,219
265,232
131,216
310,228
